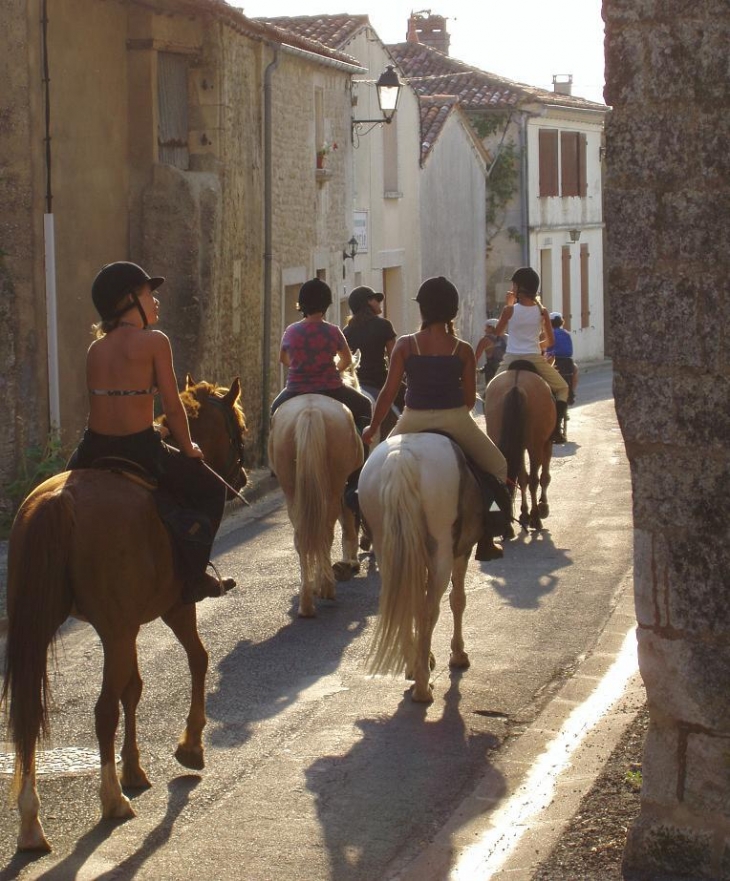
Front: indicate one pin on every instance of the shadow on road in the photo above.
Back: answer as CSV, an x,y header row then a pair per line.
x,y
405,770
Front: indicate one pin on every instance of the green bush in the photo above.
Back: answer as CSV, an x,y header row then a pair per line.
x,y
37,464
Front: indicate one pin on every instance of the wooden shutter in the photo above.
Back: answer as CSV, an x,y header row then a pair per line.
x,y
569,164
582,166
565,266
548,149
585,310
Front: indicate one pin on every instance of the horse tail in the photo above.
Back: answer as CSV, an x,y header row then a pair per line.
x,y
512,439
39,601
311,491
402,561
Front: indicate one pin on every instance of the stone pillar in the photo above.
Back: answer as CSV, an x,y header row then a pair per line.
x,y
668,235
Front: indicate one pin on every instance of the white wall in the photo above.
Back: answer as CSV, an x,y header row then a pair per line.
x,y
453,234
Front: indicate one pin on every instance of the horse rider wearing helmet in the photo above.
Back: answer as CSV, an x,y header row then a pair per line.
x,y
126,366
440,395
315,353
561,353
525,319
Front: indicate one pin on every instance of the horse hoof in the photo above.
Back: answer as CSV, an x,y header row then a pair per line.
x,y
422,696
365,544
136,779
344,571
191,757
431,661
33,840
543,509
119,809
306,613
460,660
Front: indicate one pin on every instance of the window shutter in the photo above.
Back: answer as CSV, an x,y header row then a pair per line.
x,y
569,163
582,166
548,149
172,100
585,310
565,266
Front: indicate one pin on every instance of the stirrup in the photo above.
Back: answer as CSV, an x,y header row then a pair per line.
x,y
224,584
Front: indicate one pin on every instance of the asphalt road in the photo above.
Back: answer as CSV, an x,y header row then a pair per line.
x,y
314,769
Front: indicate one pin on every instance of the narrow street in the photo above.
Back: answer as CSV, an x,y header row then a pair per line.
x,y
316,770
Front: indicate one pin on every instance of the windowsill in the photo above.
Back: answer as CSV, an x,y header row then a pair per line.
x,y
392,194
322,175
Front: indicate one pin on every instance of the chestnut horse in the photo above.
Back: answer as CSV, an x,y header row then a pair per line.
x,y
313,448
423,508
89,543
520,413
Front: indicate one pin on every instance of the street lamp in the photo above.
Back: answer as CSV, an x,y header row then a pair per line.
x,y
574,235
388,88
350,249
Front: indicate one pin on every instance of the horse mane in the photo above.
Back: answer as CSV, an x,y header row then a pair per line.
x,y
193,397
349,374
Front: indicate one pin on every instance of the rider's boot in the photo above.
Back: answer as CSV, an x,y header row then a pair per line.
x,y
497,517
192,536
562,414
350,494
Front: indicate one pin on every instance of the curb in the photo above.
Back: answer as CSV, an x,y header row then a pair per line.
x,y
261,482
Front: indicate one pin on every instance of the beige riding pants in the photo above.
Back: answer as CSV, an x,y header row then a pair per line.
x,y
459,423
558,386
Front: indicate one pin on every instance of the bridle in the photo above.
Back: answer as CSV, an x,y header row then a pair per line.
x,y
234,461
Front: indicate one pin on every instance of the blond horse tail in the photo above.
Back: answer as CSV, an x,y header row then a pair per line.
x,y
39,601
311,492
402,561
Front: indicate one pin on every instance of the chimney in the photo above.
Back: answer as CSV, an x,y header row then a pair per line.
x,y
563,83
430,29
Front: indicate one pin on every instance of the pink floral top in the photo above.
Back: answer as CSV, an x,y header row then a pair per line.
x,y
311,347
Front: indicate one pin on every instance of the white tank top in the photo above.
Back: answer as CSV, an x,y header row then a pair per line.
x,y
524,330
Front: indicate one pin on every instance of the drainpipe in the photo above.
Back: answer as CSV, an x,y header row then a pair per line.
x,y
49,243
525,199
268,256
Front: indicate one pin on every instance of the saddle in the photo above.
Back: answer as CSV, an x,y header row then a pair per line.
x,y
496,499
523,365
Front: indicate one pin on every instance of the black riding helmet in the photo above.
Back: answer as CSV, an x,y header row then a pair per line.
x,y
527,281
314,296
438,299
359,297
114,282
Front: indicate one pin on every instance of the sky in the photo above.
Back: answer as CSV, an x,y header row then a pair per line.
x,y
524,40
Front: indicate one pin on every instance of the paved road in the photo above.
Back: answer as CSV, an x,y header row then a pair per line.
x,y
315,770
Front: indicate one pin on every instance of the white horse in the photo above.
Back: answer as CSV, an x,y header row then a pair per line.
x,y
313,448
423,508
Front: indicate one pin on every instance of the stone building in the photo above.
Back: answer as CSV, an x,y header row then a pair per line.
x,y
138,130
668,221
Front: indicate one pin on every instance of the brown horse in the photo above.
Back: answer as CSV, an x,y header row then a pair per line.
x,y
89,543
521,414
313,448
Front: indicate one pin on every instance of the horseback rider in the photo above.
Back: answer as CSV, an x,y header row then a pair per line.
x,y
492,347
561,353
441,392
126,366
367,331
308,349
526,319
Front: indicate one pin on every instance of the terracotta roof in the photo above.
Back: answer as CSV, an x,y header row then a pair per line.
x,y
256,29
430,72
334,31
435,110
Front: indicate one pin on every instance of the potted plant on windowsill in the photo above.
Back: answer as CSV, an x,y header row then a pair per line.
x,y
323,151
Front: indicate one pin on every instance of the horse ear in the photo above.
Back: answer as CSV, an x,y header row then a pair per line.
x,y
189,381
233,393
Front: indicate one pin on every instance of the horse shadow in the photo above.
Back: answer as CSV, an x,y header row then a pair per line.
x,y
387,780
529,569
72,865
298,657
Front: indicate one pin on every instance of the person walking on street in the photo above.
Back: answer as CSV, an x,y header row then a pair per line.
x,y
525,319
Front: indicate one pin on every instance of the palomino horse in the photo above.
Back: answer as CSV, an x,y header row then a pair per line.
x,y
313,448
423,508
89,543
520,413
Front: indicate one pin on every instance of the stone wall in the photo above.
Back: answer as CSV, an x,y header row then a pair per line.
x,y
668,221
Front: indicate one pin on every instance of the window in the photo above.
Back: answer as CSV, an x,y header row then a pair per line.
x,y
562,157
172,100
565,266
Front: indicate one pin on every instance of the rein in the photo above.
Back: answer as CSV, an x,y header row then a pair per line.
x,y
234,462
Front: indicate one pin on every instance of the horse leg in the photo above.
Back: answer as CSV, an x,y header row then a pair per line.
x,y
535,521
439,572
457,600
349,565
524,510
325,575
181,619
133,776
119,663
31,835
544,506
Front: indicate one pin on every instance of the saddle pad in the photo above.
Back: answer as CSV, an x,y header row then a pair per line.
x,y
127,468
